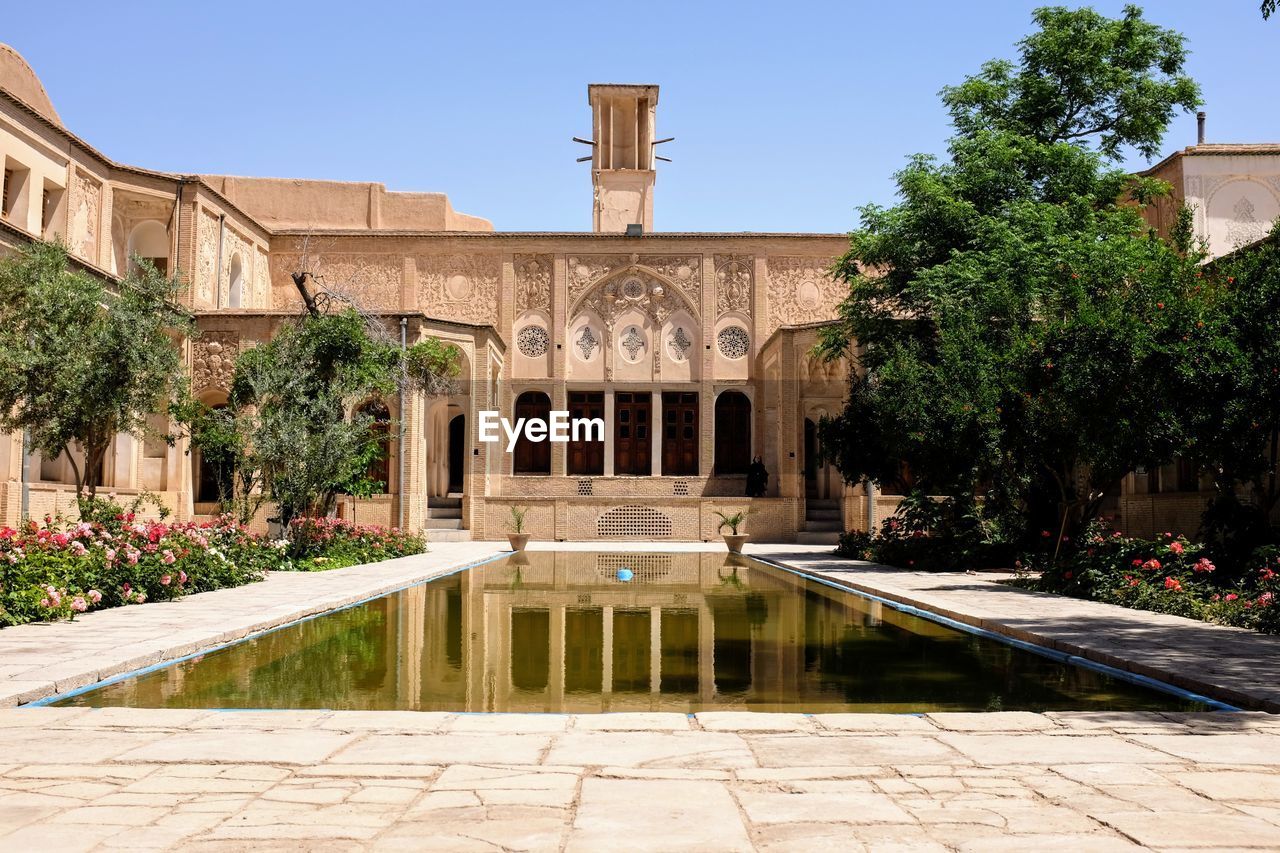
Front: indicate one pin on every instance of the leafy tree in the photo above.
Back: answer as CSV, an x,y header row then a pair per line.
x,y
1013,318
83,363
291,430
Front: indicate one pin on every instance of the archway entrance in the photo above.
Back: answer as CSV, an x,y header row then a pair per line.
x,y
810,459
457,451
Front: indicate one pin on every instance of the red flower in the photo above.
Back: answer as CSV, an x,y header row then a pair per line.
x,y
1176,547
1173,584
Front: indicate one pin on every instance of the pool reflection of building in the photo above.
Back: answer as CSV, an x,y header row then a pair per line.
x,y
558,631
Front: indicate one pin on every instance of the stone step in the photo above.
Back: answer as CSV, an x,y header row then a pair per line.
x,y
448,535
824,525
444,502
822,513
806,537
444,511
822,503
443,524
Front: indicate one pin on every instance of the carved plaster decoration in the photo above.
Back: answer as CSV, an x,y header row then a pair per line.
x,y
734,279
206,256
802,290
733,342
587,343
586,270
533,341
533,282
213,360
635,288
684,270
680,344
1244,226
459,287
84,216
633,342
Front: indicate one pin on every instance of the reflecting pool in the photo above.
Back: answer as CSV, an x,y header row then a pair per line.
x,y
561,632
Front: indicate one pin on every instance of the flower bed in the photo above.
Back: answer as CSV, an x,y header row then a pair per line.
x,y
57,570
1166,575
317,544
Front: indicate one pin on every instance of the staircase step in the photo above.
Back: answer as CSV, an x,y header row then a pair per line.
x,y
822,503
444,503
822,514
444,511
448,535
805,537
824,526
443,524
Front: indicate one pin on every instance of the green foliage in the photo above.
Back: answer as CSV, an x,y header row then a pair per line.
x,y
1018,330
517,519
732,520
433,366
82,363
317,544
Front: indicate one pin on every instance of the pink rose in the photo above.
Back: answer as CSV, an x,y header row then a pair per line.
x,y
164,580
1175,547
95,596
79,605
168,558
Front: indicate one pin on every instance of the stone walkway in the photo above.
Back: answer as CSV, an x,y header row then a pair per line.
x,y
1234,665
41,660
79,779
85,779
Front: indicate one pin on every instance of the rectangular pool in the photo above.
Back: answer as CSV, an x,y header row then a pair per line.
x,y
563,632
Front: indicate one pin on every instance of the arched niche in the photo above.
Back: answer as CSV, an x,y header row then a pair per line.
x,y
149,240
1239,212
732,433
587,342
733,346
633,342
235,282
532,346
681,347
378,414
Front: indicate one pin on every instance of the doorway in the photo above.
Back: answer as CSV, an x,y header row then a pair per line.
x,y
632,433
457,451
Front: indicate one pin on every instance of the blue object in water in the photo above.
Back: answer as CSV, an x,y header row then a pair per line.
x,y
625,575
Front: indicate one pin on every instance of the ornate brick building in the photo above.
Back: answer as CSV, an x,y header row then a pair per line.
x,y
693,347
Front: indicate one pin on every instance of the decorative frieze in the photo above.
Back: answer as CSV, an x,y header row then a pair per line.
x,y
802,290
533,282
459,287
213,360
685,271
636,289
84,216
734,283
586,270
206,256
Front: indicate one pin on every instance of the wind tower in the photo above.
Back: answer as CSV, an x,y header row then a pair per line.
x,y
622,158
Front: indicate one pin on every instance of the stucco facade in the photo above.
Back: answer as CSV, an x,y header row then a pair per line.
x,y
693,347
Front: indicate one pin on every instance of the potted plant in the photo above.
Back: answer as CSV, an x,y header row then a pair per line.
x,y
517,537
733,539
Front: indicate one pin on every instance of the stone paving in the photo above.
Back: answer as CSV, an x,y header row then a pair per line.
x,y
80,779
1234,665
90,779
41,660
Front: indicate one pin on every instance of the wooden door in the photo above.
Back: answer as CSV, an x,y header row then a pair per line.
x,y
532,457
632,433
679,433
586,458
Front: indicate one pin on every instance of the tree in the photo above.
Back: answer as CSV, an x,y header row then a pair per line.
x,y
1012,318
83,363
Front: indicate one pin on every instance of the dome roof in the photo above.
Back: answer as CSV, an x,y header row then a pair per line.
x,y
20,81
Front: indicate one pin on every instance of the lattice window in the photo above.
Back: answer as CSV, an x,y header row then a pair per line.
x,y
680,488
585,488
633,522
680,344
533,341
633,342
587,343
733,342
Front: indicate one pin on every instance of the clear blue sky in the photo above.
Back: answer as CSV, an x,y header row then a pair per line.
x,y
786,115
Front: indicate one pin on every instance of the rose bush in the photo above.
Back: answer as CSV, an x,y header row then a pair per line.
x,y
1168,574
57,570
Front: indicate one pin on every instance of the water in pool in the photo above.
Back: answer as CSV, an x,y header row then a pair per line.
x,y
568,632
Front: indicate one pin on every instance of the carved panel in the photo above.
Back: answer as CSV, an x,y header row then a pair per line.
x,y
206,256
586,270
533,282
635,289
84,217
734,283
684,270
262,281
213,360
459,287
802,290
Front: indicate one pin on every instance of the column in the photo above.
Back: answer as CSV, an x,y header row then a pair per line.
x,y
606,686
706,655
556,680
655,435
608,430
655,650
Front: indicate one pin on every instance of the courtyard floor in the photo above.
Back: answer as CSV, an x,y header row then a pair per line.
x,y
82,779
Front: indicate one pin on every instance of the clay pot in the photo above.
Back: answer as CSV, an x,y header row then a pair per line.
x,y
518,541
735,542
